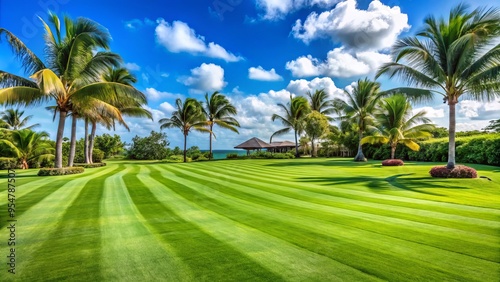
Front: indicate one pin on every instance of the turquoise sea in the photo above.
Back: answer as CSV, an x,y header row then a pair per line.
x,y
221,154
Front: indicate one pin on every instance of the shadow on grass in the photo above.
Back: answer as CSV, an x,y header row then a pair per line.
x,y
379,184
322,162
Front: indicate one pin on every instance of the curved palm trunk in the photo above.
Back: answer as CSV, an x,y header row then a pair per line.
x,y
296,145
185,141
72,146
86,142
451,144
210,155
91,141
59,139
360,157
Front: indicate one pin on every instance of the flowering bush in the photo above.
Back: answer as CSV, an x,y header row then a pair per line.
x,y
460,171
393,162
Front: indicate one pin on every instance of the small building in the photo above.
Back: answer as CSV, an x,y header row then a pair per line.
x,y
282,146
253,144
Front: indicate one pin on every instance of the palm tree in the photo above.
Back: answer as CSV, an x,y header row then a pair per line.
x,y
395,123
359,108
452,57
13,119
295,112
320,102
219,112
28,145
69,77
189,115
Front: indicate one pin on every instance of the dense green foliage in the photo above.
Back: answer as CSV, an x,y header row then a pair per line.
x,y
256,220
109,145
152,147
479,149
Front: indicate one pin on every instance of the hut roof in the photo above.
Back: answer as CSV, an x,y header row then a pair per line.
x,y
283,144
253,143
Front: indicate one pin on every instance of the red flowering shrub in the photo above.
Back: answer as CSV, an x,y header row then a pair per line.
x,y
393,162
460,171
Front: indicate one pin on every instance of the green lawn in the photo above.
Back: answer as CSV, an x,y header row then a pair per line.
x,y
252,220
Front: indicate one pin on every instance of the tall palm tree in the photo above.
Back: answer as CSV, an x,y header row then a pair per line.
x,y
69,76
219,111
188,115
320,102
27,145
13,119
359,108
396,124
295,112
453,57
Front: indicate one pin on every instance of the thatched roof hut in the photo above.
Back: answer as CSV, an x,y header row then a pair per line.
x,y
253,144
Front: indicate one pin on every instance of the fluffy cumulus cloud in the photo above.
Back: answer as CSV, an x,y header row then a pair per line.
x,y
476,110
375,28
132,66
278,9
260,73
431,112
302,86
205,78
339,63
178,37
154,94
166,108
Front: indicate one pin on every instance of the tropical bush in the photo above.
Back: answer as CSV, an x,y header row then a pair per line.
x,y
8,163
152,147
393,162
60,171
232,156
459,171
94,165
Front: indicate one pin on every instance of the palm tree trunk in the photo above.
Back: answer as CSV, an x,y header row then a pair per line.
x,y
210,155
59,138
86,142
72,146
91,141
360,157
451,144
313,149
185,141
393,150
296,145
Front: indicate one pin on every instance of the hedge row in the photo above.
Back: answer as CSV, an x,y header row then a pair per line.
x,y
60,171
261,155
90,165
480,149
8,163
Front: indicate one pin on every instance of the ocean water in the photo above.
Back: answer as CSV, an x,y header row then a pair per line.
x,y
221,154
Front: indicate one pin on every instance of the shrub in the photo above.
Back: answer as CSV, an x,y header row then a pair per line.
x,y
94,165
176,158
97,155
8,163
460,171
60,171
232,156
393,162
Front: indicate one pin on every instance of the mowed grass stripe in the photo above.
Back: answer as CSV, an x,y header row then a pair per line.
x,y
473,244
290,189
73,250
208,259
36,226
371,252
290,261
129,250
327,187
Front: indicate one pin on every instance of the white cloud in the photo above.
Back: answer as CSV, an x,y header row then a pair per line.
x,y
132,66
179,37
431,112
205,78
277,9
154,94
375,28
260,73
137,23
339,63
476,110
302,86
167,108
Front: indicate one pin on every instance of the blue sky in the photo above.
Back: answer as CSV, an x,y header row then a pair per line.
x,y
255,52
